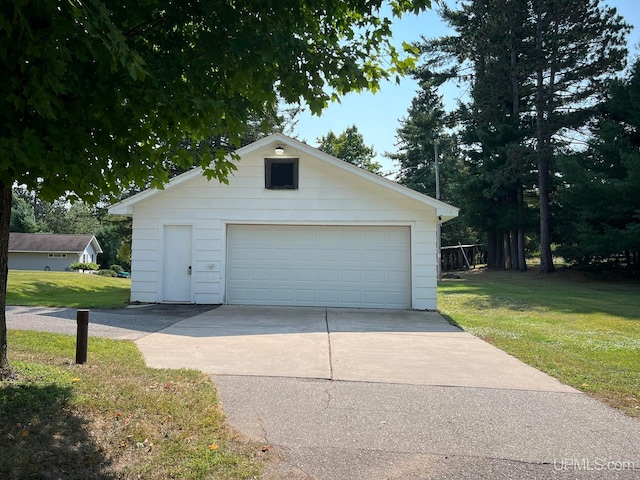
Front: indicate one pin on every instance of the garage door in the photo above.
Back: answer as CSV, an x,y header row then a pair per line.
x,y
319,266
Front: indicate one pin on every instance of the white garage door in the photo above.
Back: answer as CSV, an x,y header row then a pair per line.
x,y
319,266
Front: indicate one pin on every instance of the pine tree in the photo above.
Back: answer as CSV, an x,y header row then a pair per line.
x,y
578,46
535,69
601,195
416,140
422,134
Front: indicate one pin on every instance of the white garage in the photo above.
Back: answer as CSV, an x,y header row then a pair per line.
x,y
293,226
337,266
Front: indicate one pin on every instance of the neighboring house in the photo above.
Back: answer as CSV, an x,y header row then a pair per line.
x,y
43,251
294,226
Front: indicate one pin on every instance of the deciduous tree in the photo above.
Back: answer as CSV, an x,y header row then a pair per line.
x,y
96,95
350,147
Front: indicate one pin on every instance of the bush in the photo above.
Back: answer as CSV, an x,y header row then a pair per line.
x,y
84,266
106,273
116,268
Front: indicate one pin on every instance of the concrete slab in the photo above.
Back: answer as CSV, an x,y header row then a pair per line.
x,y
237,340
422,348
388,346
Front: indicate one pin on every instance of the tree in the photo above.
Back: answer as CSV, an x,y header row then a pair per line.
x,y
601,195
52,216
425,125
489,52
579,45
81,219
22,217
530,63
96,96
416,139
113,234
124,253
258,125
350,147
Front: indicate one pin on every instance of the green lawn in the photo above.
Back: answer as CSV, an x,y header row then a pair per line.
x,y
66,289
585,333
112,418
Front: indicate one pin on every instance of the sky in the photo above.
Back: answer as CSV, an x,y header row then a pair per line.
x,y
377,116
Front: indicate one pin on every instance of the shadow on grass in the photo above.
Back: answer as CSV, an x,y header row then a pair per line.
x,y
558,292
41,438
451,321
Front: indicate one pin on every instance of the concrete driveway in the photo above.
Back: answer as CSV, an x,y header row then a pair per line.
x,y
368,394
408,347
365,395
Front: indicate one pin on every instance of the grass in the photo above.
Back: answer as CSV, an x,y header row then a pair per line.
x,y
584,333
112,418
66,289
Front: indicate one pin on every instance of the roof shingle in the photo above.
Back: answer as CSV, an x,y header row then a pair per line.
x,y
47,242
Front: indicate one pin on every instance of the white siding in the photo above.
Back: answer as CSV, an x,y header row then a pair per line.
x,y
40,261
326,196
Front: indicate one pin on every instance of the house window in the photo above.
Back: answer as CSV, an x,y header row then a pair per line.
x,y
57,255
281,173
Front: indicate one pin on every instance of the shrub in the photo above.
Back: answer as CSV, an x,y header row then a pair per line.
x,y
84,266
106,273
116,268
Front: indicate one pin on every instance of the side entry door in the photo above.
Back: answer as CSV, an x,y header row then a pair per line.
x,y
178,257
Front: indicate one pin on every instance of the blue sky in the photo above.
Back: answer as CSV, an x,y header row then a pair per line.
x,y
377,115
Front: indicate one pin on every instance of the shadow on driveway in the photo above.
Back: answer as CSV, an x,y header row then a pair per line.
x,y
245,321
125,323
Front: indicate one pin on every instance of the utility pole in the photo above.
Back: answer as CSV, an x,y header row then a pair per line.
x,y
438,226
435,148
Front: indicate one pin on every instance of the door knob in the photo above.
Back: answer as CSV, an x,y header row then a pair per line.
x,y
189,270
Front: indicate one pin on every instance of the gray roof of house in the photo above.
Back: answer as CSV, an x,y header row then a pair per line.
x,y
48,242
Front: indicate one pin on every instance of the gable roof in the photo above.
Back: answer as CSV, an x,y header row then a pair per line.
x,y
443,210
49,242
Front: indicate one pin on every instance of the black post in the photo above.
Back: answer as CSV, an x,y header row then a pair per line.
x,y
82,337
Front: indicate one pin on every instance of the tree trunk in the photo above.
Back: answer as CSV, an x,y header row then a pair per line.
x,y
491,250
506,247
546,259
518,253
515,258
543,154
522,256
499,242
5,221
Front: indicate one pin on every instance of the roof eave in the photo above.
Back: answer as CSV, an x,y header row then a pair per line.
x,y
443,210
125,207
96,245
